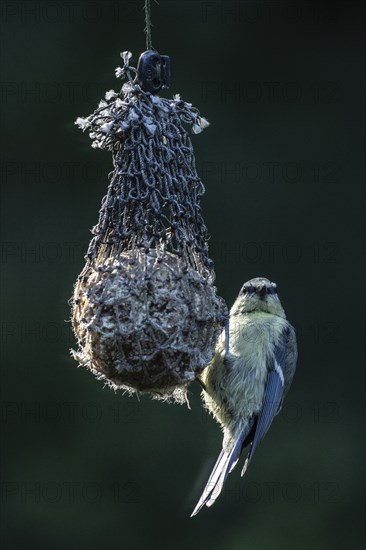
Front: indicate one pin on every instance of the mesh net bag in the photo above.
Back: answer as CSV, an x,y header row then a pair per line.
x,y
146,313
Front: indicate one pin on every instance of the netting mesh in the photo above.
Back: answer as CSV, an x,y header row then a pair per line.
x,y
145,309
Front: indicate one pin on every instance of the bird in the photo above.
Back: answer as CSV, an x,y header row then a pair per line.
x,y
244,384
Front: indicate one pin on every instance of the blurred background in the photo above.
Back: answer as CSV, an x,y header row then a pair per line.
x,y
282,84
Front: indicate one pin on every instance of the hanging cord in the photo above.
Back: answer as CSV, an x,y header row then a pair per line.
x,y
148,24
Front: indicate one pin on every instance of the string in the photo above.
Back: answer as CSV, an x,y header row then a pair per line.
x,y
148,25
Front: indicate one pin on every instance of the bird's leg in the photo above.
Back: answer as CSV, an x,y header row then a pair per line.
x,y
227,335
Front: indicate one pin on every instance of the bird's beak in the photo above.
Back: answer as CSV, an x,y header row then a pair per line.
x,y
262,291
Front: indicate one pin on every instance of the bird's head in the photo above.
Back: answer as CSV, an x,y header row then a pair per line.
x,y
257,295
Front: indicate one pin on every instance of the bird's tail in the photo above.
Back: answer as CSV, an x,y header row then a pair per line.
x,y
224,465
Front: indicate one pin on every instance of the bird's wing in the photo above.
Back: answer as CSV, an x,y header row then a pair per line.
x,y
288,358
273,393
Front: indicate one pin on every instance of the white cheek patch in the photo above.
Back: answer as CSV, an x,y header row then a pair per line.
x,y
279,371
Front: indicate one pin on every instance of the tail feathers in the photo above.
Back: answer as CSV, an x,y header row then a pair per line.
x,y
223,466
246,464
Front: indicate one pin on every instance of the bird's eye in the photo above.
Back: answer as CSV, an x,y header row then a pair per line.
x,y
244,290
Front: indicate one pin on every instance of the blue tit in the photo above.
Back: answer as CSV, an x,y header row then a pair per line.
x,y
246,381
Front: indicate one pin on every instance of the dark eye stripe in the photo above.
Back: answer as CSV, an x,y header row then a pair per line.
x,y
248,290
252,290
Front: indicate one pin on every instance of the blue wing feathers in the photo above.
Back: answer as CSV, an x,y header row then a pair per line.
x,y
272,399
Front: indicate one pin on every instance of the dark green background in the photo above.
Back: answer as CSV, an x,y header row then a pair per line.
x,y
282,85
